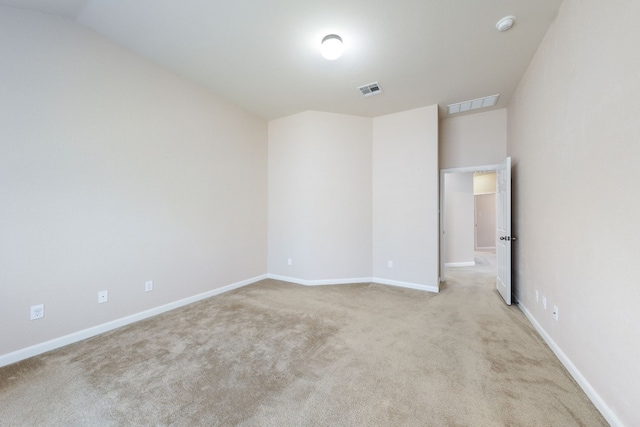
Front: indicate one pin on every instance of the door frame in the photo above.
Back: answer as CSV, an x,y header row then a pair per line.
x,y
441,239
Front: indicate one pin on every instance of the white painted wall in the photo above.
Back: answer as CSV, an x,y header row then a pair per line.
x,y
459,219
573,136
473,140
320,197
113,171
405,196
346,191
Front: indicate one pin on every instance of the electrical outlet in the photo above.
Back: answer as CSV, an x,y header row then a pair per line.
x,y
148,285
555,313
37,311
390,264
544,302
537,296
289,261
103,296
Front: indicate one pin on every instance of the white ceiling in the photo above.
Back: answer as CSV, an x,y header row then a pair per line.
x,y
264,55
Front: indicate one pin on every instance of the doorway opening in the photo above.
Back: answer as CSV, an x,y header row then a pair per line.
x,y
468,220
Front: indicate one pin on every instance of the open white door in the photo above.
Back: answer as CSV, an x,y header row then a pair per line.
x,y
503,229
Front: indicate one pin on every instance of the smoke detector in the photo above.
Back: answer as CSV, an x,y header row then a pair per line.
x,y
505,23
370,89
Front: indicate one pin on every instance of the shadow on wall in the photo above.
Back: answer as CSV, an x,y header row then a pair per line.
x,y
515,252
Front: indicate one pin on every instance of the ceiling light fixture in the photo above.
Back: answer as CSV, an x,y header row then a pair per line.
x,y
331,47
505,23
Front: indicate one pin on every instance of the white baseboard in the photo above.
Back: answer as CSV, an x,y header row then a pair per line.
x,y
319,282
355,280
34,350
460,264
604,409
428,288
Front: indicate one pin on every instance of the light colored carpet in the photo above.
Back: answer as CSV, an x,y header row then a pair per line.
x,y
278,354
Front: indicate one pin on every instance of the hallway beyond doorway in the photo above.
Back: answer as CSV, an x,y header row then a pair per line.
x,y
483,273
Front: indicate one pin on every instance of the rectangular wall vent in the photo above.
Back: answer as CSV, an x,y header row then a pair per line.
x,y
474,104
370,89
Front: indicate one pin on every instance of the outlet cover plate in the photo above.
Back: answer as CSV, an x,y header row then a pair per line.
x,y
103,296
148,285
37,311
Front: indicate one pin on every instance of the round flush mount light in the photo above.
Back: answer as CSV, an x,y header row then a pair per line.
x,y
331,47
505,23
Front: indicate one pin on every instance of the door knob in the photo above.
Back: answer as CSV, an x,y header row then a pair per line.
x,y
502,238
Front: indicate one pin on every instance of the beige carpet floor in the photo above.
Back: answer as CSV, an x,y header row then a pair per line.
x,y
278,354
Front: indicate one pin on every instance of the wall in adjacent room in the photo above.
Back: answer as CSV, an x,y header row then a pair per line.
x,y
320,197
459,219
573,136
405,197
113,171
484,183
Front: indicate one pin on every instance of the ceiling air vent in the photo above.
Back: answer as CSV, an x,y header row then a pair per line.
x,y
370,89
474,104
